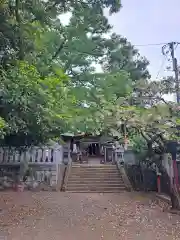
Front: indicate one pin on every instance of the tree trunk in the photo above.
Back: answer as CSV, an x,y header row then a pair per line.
x,y
175,197
173,191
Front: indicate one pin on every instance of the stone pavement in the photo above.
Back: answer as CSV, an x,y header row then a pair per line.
x,y
88,216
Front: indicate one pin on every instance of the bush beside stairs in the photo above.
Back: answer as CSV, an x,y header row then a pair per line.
x,y
97,178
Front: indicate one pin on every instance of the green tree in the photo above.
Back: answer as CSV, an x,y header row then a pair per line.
x,y
33,34
122,54
23,21
34,49
29,106
153,122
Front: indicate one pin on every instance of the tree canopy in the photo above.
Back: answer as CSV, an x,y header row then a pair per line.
x,y
49,78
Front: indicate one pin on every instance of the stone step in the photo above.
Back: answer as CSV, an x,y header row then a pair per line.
x,y
95,180
105,178
94,172
102,191
96,189
95,183
96,176
93,169
93,166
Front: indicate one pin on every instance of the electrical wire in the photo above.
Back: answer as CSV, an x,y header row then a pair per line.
x,y
176,46
152,44
161,67
149,44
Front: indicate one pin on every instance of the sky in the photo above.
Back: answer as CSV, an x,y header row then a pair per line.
x,y
147,22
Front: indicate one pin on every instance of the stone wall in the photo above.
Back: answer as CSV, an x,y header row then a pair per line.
x,y
130,157
44,167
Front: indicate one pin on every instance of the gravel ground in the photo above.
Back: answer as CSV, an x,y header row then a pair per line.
x,y
91,216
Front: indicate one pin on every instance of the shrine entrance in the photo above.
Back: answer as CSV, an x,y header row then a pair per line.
x,y
88,148
94,149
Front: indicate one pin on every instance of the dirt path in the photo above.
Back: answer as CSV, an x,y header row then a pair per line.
x,y
67,216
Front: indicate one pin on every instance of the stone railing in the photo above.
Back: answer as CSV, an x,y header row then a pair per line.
x,y
118,158
34,155
45,163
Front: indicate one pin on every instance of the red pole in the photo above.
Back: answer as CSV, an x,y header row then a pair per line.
x,y
159,183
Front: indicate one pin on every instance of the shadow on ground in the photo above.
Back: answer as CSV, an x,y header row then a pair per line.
x,y
73,216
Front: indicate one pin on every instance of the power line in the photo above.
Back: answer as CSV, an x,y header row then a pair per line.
x,y
150,44
164,60
161,67
172,46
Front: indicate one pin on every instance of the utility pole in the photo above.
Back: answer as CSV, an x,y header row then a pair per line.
x,y
175,66
171,50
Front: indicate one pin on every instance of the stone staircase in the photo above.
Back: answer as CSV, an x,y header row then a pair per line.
x,y
97,178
